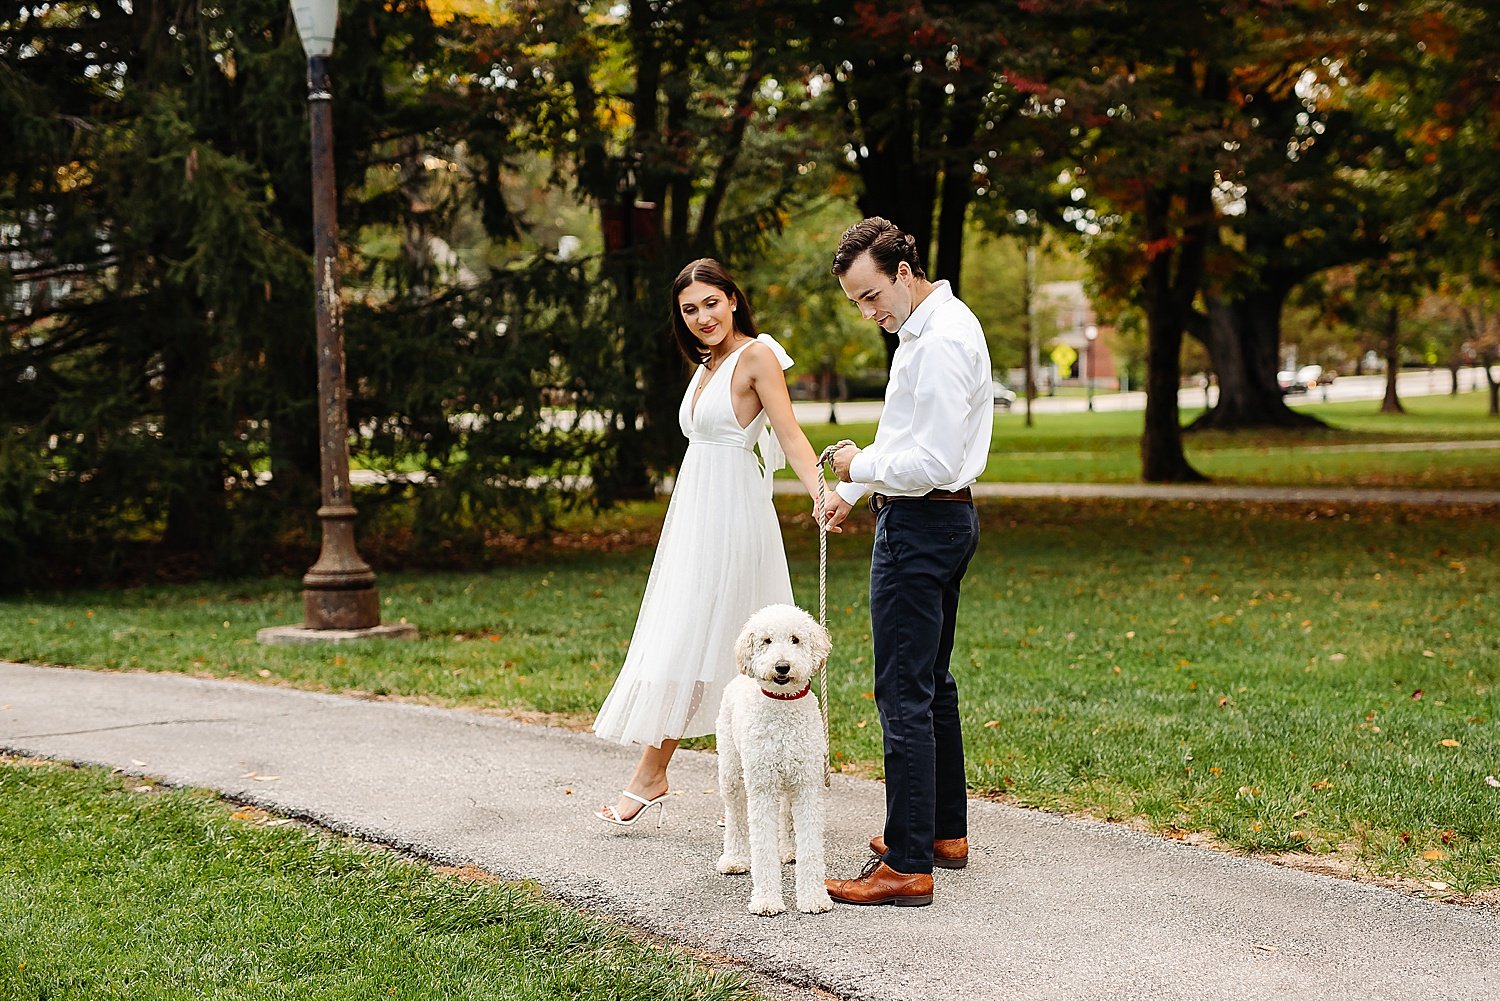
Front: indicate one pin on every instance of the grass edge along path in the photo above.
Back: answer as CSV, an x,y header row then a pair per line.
x,y
112,886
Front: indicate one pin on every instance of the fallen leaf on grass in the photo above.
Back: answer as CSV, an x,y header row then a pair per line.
x,y
1434,855
1417,695
1492,782
1448,742
1437,885
861,724
992,724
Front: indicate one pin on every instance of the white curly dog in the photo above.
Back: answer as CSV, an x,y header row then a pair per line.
x,y
771,749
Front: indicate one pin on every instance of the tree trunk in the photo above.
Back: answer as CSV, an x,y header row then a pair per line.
x,y
293,410
1494,387
744,107
681,187
632,475
1392,403
192,416
958,192
1243,338
1028,312
958,183
1168,297
898,182
1453,368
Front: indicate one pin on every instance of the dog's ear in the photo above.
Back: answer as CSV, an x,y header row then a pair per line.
x,y
822,643
744,651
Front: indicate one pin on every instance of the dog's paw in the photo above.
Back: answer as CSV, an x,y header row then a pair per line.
x,y
730,866
767,907
815,903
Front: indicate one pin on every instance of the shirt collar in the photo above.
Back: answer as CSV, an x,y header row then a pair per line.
x,y
941,293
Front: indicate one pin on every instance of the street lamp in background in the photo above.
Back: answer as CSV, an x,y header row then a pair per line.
x,y
1090,334
340,600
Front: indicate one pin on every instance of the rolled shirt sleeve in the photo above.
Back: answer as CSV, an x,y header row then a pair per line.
x,y
852,493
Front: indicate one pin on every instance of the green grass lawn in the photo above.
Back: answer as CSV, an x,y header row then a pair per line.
x,y
1304,678
112,887
1104,447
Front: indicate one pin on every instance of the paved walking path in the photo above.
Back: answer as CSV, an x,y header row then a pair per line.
x,y
1048,908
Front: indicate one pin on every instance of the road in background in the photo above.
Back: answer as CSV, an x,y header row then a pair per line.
x,y
1433,382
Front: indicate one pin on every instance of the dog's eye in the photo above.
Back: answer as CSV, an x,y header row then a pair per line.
x,y
795,641
764,640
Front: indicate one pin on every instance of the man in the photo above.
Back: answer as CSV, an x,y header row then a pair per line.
x,y
931,445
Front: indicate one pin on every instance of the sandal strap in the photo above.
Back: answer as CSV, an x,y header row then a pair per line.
x,y
630,795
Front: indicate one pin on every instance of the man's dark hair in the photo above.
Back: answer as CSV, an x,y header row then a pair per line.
x,y
886,244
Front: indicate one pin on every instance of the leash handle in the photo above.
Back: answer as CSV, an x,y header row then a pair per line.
x,y
826,459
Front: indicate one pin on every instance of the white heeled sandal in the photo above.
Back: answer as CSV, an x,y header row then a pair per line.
x,y
609,816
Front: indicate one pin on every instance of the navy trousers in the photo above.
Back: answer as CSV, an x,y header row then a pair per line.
x,y
922,549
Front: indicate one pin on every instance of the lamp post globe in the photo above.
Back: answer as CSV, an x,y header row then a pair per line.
x,y
316,21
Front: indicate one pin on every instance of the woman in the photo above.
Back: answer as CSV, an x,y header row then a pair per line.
x,y
720,556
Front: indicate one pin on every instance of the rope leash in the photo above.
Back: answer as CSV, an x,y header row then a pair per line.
x,y
825,460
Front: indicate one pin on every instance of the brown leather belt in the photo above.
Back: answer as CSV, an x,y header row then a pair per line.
x,y
878,501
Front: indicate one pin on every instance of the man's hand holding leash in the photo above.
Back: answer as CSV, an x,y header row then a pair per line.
x,y
842,458
839,455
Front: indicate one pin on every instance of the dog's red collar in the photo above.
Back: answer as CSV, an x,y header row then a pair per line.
x,y
787,698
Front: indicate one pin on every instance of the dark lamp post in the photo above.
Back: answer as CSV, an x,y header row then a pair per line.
x,y
339,599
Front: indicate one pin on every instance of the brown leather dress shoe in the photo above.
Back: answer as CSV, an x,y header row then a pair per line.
x,y
947,853
880,884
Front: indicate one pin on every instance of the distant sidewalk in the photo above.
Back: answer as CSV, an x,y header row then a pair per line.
x,y
1048,908
1210,492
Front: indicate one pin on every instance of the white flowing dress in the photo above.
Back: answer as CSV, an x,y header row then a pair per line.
x,y
719,559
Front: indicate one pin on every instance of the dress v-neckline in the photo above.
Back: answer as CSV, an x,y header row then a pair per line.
x,y
712,375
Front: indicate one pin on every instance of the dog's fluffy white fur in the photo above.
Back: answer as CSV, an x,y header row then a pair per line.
x,y
771,760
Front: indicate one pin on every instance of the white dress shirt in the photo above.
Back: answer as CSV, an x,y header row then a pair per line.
x,y
934,432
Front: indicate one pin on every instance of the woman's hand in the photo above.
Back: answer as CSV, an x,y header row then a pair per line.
x,y
838,510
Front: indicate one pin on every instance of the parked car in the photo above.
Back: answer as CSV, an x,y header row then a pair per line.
x,y
1304,379
1005,397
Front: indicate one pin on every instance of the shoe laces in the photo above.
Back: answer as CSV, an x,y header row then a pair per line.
x,y
871,866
